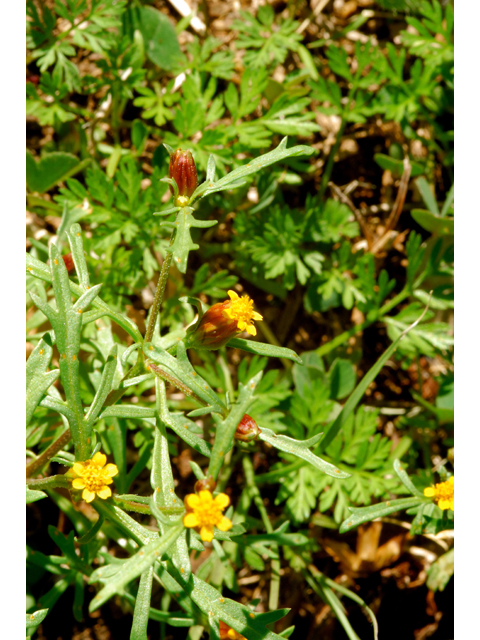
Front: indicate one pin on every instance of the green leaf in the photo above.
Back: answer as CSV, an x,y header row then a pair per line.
x,y
433,223
362,386
396,166
43,174
427,195
365,514
161,43
133,567
301,450
36,390
440,572
33,496
183,242
180,372
226,429
235,178
342,379
405,480
263,349
75,239
142,606
34,619
104,387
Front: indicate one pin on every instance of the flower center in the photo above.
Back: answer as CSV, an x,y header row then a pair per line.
x,y
94,477
208,513
241,309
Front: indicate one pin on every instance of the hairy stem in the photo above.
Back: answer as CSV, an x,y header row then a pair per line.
x,y
49,453
51,482
157,301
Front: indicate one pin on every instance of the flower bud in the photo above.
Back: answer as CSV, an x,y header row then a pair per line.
x,y
207,484
183,170
247,429
223,321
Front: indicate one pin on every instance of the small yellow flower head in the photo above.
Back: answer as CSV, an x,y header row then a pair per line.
x,y
442,494
223,321
93,477
241,310
204,512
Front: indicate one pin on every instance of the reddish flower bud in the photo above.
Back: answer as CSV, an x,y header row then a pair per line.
x,y
68,260
183,170
223,321
247,429
207,484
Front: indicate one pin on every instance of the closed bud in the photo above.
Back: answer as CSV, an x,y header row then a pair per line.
x,y
247,429
207,484
183,170
223,321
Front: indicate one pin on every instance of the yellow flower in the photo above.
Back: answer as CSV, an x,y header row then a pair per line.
x,y
93,477
241,310
442,494
204,512
223,321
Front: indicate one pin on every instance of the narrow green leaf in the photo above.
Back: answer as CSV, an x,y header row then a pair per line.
x,y
263,349
37,388
181,373
226,429
142,606
447,203
34,619
432,223
135,566
301,450
427,196
365,514
235,177
128,411
104,387
39,359
33,496
362,386
405,480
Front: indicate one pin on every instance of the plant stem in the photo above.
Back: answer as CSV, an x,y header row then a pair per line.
x,y
275,564
48,483
49,453
157,301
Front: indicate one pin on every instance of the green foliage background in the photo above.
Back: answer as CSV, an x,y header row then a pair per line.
x,y
308,238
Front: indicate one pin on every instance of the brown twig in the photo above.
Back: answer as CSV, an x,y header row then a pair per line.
x,y
358,216
49,453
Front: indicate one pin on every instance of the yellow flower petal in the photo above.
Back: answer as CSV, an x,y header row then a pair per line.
x,y
257,316
191,501
206,533
251,330
111,470
105,492
225,524
190,520
205,496
78,483
78,468
87,495
232,295
429,492
99,459
242,325
222,500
